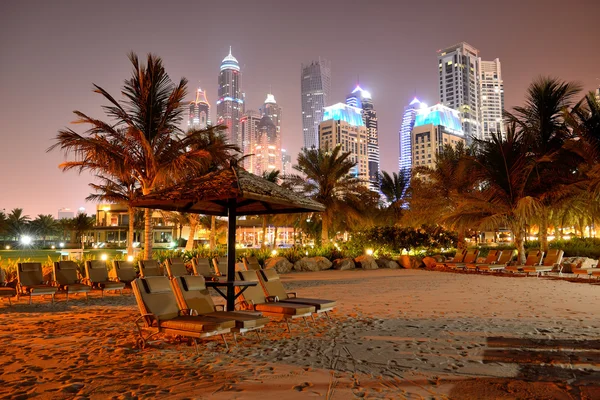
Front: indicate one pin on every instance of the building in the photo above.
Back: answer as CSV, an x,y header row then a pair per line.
x,y
434,128
199,111
248,127
343,126
459,74
230,99
405,135
286,163
362,99
66,213
271,109
492,98
267,148
315,84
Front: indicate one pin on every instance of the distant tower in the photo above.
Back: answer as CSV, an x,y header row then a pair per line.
x,y
286,163
408,122
315,84
249,128
492,98
459,74
272,110
267,149
362,99
230,103
199,111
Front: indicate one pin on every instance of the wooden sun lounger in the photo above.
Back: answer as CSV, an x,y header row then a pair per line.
x,y
150,268
5,291
97,277
552,261
534,258
176,267
459,256
31,281
506,257
251,263
66,276
491,258
470,257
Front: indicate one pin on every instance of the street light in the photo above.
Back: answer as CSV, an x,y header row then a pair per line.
x,y
26,240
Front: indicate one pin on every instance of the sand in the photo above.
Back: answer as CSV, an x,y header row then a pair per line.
x,y
396,334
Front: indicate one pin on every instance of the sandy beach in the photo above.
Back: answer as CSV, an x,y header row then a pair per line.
x,y
396,334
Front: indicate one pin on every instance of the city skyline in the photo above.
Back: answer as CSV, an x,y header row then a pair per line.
x,y
53,62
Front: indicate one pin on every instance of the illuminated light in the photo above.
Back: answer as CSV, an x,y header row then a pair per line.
x,y
173,244
270,99
104,257
414,101
26,240
7,247
344,112
440,115
130,258
274,253
53,247
106,208
369,252
230,62
136,244
306,252
61,245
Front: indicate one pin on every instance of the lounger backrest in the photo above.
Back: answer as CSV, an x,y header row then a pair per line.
x,y
459,256
493,256
65,272
506,256
193,294
269,279
30,274
554,256
2,276
149,268
125,270
471,256
534,257
154,295
176,267
220,264
96,270
251,263
253,294
202,267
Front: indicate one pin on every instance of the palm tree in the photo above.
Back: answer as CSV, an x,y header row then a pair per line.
x,y
44,225
393,187
81,224
143,140
326,179
17,223
3,226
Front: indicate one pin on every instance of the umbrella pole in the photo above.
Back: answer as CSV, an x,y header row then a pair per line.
x,y
231,223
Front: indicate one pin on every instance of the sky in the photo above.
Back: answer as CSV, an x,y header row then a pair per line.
x,y
52,51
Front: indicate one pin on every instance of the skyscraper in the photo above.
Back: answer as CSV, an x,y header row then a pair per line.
x,y
230,101
315,83
249,128
459,74
492,98
271,109
405,138
267,149
199,111
286,163
362,99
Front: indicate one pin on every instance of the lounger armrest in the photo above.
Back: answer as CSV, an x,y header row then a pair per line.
x,y
187,311
219,307
292,295
271,299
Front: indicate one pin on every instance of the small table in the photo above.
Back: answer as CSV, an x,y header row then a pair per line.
x,y
230,285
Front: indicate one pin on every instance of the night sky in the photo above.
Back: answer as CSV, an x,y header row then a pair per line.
x,y
52,51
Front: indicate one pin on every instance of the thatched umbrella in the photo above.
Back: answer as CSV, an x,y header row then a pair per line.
x,y
229,192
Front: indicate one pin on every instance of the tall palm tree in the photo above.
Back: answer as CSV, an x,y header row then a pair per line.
x,y
393,187
325,177
3,226
17,223
81,224
143,140
44,226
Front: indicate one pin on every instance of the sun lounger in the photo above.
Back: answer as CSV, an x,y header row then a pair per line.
x,y
124,271
552,261
66,276
506,257
97,277
31,281
470,257
534,257
160,314
193,295
596,273
176,267
202,267
220,265
251,263
254,298
5,291
459,256
491,258
149,268
269,279
589,272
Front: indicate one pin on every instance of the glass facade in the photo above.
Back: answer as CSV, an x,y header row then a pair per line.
x,y
440,115
315,85
230,99
408,122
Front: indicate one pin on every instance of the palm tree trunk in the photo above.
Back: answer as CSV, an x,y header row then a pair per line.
x,y
148,234
130,232
275,238
518,232
324,229
213,233
544,230
264,232
189,246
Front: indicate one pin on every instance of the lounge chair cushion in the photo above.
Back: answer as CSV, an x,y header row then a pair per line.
x,y
176,267
150,268
200,323
39,289
319,304
30,274
125,271
77,288
195,295
202,267
286,308
7,291
96,271
585,271
252,263
110,285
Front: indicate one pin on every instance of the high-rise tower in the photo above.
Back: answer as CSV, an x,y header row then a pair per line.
x,y
408,123
271,109
315,83
199,111
492,98
230,101
249,136
362,99
459,75
267,148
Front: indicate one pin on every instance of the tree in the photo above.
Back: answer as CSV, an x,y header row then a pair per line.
x,y
143,140
3,224
17,223
393,187
326,178
44,226
81,224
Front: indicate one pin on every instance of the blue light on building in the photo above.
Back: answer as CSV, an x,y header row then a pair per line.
x,y
343,112
440,115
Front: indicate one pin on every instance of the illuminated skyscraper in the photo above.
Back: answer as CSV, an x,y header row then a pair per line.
x,y
315,83
271,109
199,111
286,163
362,99
459,74
267,148
230,101
405,138
249,128
492,98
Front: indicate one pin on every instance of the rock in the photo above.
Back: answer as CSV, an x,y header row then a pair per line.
x,y
387,263
312,264
410,262
430,262
279,264
366,262
343,264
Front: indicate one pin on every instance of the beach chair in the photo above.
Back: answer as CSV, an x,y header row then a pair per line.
x,y
504,259
66,277
534,257
176,267
491,258
254,298
6,292
470,257
589,272
552,260
97,277
273,287
160,314
458,257
193,295
251,263
149,268
202,267
124,271
220,265
31,281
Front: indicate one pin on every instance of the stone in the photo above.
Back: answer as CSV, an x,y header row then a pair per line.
x,y
343,264
280,264
410,262
430,262
366,262
387,263
312,264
